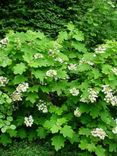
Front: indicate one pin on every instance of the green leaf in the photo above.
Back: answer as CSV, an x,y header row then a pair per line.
x,y
19,68
95,73
10,118
33,88
5,139
62,36
70,27
113,147
5,62
79,46
84,131
13,127
57,110
67,131
39,74
41,132
55,128
31,135
21,133
95,111
100,151
32,97
12,132
58,142
86,145
106,69
75,138
79,36
19,79
3,130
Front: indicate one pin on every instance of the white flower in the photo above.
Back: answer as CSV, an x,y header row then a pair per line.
x,y
42,106
90,63
114,70
4,41
53,52
114,130
99,132
3,81
94,55
51,73
74,91
113,101
43,83
84,100
22,87
28,121
83,61
109,97
60,60
93,95
38,56
106,89
77,112
101,49
116,121
16,96
72,66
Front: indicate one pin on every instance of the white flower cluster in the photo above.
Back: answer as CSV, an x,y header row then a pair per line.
x,y
51,73
83,61
114,70
22,87
43,83
77,112
53,52
99,132
38,56
101,49
74,91
60,60
93,95
4,41
42,106
17,95
84,100
3,81
72,66
109,97
28,121
114,130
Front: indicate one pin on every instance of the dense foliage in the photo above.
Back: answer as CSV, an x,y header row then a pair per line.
x,y
96,18
56,89
36,148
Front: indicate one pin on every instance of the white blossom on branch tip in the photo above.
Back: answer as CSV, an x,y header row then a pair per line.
x,y
99,132
77,112
3,81
74,91
72,66
28,121
22,87
51,73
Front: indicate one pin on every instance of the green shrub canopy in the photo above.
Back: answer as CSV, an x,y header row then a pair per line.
x,y
56,89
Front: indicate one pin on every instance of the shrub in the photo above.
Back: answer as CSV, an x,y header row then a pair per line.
x,y
59,91
96,18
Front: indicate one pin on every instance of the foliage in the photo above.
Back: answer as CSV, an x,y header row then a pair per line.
x,y
58,90
96,18
38,148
